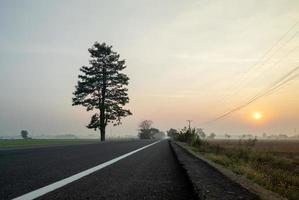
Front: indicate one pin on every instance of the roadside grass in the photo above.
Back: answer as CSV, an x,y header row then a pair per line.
x,y
271,145
37,142
275,173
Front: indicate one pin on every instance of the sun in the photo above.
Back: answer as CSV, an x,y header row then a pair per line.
x,y
257,116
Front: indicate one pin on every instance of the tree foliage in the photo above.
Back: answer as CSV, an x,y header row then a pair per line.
x,y
172,133
191,136
201,133
227,136
24,134
146,131
102,88
187,135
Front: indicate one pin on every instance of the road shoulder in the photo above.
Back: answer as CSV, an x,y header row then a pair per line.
x,y
242,181
208,182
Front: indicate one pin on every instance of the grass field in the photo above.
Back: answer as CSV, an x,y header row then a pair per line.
x,y
42,142
283,148
273,164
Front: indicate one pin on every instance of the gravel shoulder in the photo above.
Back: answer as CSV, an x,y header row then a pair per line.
x,y
207,181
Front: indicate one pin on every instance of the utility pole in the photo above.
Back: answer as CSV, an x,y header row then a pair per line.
x,y
189,122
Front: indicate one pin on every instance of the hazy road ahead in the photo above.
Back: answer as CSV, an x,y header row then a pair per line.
x,y
152,173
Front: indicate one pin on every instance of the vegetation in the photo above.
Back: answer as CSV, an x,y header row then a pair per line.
x,y
172,133
191,136
276,173
102,87
281,147
25,134
37,142
146,131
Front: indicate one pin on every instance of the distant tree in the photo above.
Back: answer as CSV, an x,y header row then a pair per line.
x,y
24,134
159,135
212,136
145,125
146,131
154,130
172,133
102,87
227,136
201,133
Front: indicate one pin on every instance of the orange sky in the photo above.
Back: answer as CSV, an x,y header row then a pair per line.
x,y
186,60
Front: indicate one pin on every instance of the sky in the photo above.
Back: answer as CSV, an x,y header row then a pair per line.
x,y
194,59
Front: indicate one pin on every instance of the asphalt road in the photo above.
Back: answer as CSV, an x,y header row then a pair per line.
x,y
152,173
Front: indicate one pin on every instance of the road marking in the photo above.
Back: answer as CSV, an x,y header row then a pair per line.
x,y
44,190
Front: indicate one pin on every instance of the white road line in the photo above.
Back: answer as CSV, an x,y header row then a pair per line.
x,y
44,190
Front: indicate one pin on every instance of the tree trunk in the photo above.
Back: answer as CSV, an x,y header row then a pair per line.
x,y
102,129
102,105
102,124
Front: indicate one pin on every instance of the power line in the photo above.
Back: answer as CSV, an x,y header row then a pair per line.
x,y
277,81
278,49
270,90
284,56
284,83
262,61
275,64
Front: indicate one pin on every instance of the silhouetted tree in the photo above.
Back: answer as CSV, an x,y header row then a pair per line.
x,y
146,124
24,134
102,87
172,133
227,136
154,131
146,131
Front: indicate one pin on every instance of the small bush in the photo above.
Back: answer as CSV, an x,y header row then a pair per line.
x,y
188,135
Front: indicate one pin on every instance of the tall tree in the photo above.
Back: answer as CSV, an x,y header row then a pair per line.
x,y
24,134
102,88
172,133
145,130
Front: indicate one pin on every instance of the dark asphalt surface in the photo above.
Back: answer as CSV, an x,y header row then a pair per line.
x,y
152,173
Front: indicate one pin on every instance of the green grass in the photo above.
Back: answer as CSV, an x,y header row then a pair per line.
x,y
278,174
36,142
